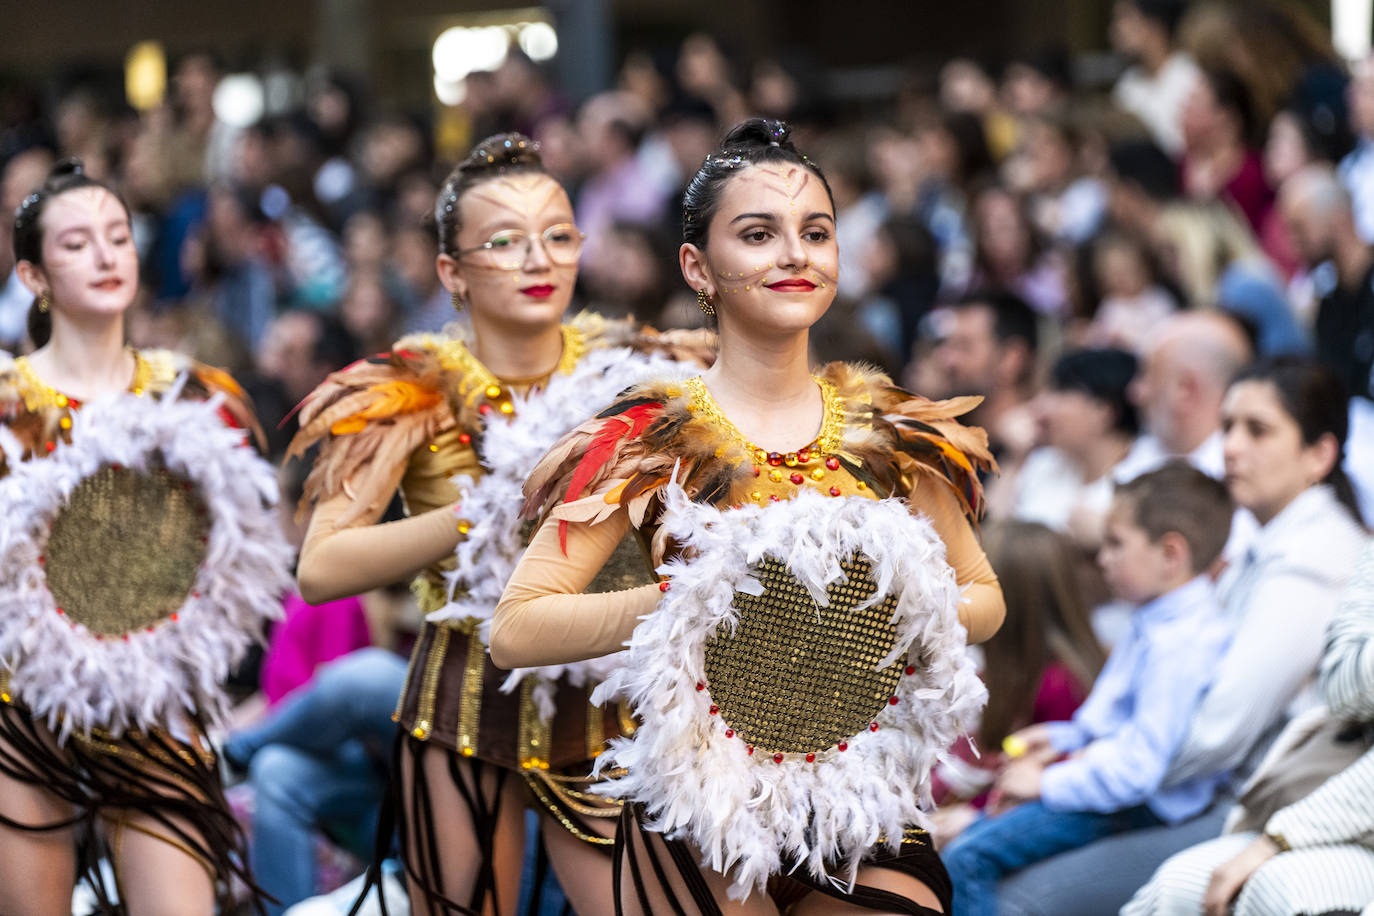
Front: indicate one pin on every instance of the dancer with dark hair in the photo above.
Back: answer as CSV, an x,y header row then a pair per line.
x,y
456,425
141,556
803,658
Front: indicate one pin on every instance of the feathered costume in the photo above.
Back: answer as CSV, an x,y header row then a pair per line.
x,y
139,556
432,407
695,487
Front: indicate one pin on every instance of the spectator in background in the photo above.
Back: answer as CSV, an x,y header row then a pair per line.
x,y
1038,667
1159,77
629,279
1185,368
986,344
205,142
1066,203
1220,133
1142,180
1357,168
1088,426
1319,215
1112,769
299,349
610,127
240,286
1037,84
1010,254
1285,424
1134,298
899,264
1212,257
22,174
370,313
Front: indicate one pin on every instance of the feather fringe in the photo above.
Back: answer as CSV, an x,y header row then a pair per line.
x,y
750,816
63,673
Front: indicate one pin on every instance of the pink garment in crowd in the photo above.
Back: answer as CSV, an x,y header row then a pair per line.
x,y
309,636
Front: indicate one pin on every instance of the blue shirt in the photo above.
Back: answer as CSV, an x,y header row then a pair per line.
x,y
1138,713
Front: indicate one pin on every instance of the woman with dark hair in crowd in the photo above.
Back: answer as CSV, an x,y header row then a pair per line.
x,y
1285,422
105,501
1088,425
456,425
734,802
1220,140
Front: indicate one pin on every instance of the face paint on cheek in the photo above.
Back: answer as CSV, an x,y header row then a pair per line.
x,y
744,280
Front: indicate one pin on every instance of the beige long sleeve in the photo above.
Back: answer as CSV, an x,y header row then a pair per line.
x,y
544,619
983,607
339,562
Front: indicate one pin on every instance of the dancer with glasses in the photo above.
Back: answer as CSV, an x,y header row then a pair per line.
x,y
456,425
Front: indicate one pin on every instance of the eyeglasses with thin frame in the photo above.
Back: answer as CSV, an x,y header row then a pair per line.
x,y
508,249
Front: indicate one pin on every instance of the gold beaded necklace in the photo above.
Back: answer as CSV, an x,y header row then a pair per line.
x,y
39,395
825,444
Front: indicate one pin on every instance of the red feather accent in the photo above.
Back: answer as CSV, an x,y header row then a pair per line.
x,y
629,424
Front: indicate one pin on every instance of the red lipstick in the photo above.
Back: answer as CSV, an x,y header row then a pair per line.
x,y
792,286
539,291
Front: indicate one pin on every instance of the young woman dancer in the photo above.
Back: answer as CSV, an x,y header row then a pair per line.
x,y
102,714
475,746
756,446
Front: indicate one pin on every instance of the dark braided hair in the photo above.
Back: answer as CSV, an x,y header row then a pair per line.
x,y
749,143
498,155
67,175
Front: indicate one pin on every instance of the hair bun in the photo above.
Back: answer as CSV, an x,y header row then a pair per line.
x,y
501,151
66,168
759,132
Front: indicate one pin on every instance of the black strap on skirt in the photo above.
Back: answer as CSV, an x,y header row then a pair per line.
x,y
148,773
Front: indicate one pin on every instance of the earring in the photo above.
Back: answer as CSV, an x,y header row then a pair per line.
x,y
457,301
44,301
704,303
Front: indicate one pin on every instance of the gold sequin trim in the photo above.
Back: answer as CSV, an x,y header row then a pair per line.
x,y
538,787
410,670
535,735
470,698
474,379
832,420
596,727
429,687
38,395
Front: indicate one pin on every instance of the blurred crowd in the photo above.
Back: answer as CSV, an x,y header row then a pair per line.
x,y
1096,258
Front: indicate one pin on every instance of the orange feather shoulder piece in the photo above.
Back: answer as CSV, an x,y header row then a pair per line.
x,y
367,419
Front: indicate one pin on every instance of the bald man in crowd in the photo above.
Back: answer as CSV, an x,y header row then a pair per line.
x,y
1316,207
1185,368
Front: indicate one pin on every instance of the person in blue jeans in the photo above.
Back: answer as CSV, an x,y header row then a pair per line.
x,y
318,762
1105,771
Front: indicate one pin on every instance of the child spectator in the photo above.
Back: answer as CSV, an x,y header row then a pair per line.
x,y
1164,531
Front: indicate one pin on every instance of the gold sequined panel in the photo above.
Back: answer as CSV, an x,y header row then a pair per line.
x,y
628,567
795,677
124,551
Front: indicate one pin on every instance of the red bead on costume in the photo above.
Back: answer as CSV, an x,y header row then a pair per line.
x,y
464,438
60,612
810,758
664,586
729,733
700,686
910,669
844,746
757,470
750,749
775,459
484,409
834,491
833,463
797,479
777,758
50,445
873,726
714,709
775,498
173,617
892,701
803,456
